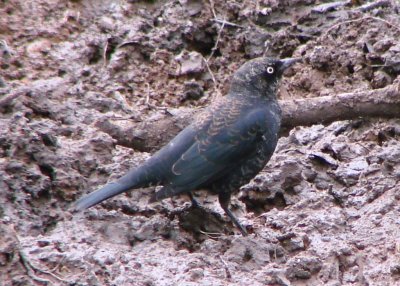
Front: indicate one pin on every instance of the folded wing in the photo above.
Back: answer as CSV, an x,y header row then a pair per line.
x,y
211,156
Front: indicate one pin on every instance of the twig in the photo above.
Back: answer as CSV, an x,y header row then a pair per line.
x,y
105,53
223,21
114,117
147,93
210,71
9,98
342,23
216,42
214,48
361,19
228,273
217,92
127,43
384,21
212,235
153,106
51,271
213,9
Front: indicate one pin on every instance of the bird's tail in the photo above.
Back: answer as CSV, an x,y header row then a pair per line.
x,y
136,178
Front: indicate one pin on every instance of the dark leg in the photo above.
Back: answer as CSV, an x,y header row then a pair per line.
x,y
224,201
195,203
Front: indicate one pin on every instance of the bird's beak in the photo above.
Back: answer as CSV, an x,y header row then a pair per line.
x,y
285,63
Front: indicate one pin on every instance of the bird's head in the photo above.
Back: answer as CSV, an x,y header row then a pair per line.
x,y
261,75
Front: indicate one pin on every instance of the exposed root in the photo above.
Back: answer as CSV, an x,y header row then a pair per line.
x,y
212,235
30,269
228,273
360,20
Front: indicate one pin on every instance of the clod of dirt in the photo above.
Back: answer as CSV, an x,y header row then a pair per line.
x,y
303,267
190,63
201,222
193,91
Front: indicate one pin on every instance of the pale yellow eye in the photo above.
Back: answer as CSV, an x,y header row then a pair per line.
x,y
270,70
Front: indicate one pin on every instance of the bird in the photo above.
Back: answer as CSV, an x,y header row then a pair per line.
x,y
224,147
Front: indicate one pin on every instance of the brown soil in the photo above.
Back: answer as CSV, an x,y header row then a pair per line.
x,y
324,211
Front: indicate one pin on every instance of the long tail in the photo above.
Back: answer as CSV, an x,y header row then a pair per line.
x,y
136,178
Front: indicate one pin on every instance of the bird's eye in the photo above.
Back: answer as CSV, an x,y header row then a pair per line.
x,y
270,70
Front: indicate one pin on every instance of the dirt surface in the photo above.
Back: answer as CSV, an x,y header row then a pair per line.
x,y
325,210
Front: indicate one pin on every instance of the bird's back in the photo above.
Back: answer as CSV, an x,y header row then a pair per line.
x,y
224,137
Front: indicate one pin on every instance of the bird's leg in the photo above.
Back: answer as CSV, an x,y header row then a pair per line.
x,y
224,201
195,203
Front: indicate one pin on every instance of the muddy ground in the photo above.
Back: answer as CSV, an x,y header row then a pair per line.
x,y
324,211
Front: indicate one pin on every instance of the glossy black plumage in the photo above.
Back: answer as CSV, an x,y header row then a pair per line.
x,y
223,149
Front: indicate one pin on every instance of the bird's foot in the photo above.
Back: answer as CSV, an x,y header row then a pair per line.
x,y
236,222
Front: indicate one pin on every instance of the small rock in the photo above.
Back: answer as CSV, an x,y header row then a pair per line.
x,y
320,59
348,174
294,244
192,7
36,48
381,79
305,136
100,102
43,243
376,219
104,257
198,220
249,250
151,230
106,24
309,174
303,267
193,90
323,159
382,45
276,277
395,270
196,274
255,42
190,63
391,153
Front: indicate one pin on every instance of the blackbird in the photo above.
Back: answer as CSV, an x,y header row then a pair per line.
x,y
223,149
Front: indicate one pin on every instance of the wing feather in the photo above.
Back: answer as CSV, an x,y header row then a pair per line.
x,y
212,155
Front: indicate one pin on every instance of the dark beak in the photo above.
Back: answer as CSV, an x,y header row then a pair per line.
x,y
285,63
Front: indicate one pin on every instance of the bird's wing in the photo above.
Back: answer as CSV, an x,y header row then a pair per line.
x,y
215,151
